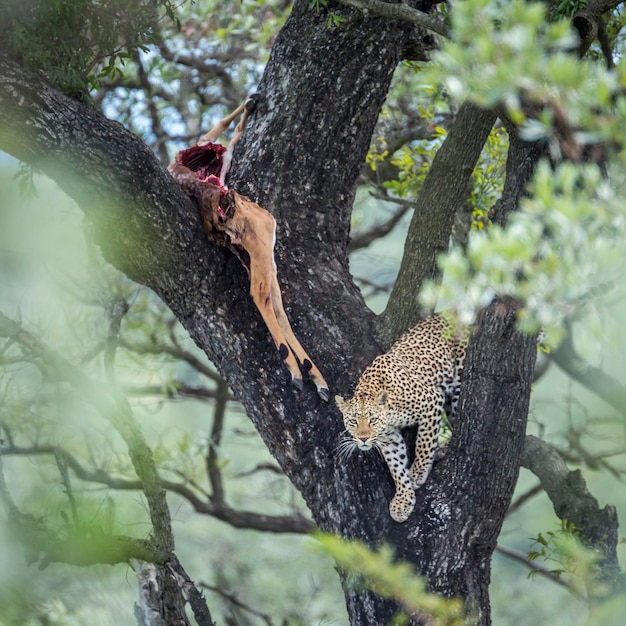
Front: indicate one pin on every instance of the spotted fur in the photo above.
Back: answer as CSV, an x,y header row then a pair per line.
x,y
409,385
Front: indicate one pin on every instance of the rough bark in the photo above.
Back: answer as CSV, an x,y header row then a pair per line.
x,y
300,158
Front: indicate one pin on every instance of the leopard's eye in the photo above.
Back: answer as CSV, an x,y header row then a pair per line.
x,y
351,423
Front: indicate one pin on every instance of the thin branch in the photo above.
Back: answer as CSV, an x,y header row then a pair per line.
x,y
400,12
365,238
174,390
235,601
193,595
5,494
212,459
261,467
174,351
116,310
519,557
295,523
65,479
375,287
521,500
155,119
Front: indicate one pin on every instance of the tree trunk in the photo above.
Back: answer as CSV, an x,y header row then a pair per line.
x,y
300,158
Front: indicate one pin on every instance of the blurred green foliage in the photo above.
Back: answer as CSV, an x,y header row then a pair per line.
x,y
570,229
378,571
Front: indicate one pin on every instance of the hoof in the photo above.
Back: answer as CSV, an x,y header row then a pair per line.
x,y
251,101
324,393
297,383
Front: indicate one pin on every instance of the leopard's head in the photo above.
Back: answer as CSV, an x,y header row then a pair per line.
x,y
365,418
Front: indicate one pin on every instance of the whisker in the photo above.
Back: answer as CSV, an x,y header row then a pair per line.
x,y
346,448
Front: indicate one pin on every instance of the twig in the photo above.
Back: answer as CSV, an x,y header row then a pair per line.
x,y
183,355
519,502
174,390
116,310
519,557
5,495
157,127
593,378
65,479
364,239
261,467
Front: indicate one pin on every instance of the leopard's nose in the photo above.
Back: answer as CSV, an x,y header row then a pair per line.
x,y
363,439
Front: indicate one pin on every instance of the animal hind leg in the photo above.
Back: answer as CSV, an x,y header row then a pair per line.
x,y
254,228
427,438
294,344
248,107
221,126
261,292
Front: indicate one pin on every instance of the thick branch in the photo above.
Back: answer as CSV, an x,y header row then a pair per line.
x,y
445,188
593,378
135,211
400,12
573,502
590,26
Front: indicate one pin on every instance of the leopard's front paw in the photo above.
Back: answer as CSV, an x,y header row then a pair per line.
x,y
402,505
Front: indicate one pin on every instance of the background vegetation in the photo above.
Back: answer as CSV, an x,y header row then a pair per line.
x,y
167,72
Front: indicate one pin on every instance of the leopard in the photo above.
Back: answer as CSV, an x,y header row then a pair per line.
x,y
412,384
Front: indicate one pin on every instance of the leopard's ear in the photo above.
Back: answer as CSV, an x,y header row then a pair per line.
x,y
341,403
382,398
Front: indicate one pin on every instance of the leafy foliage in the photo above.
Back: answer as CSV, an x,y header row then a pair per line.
x,y
551,548
572,560
80,42
334,18
549,256
570,228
